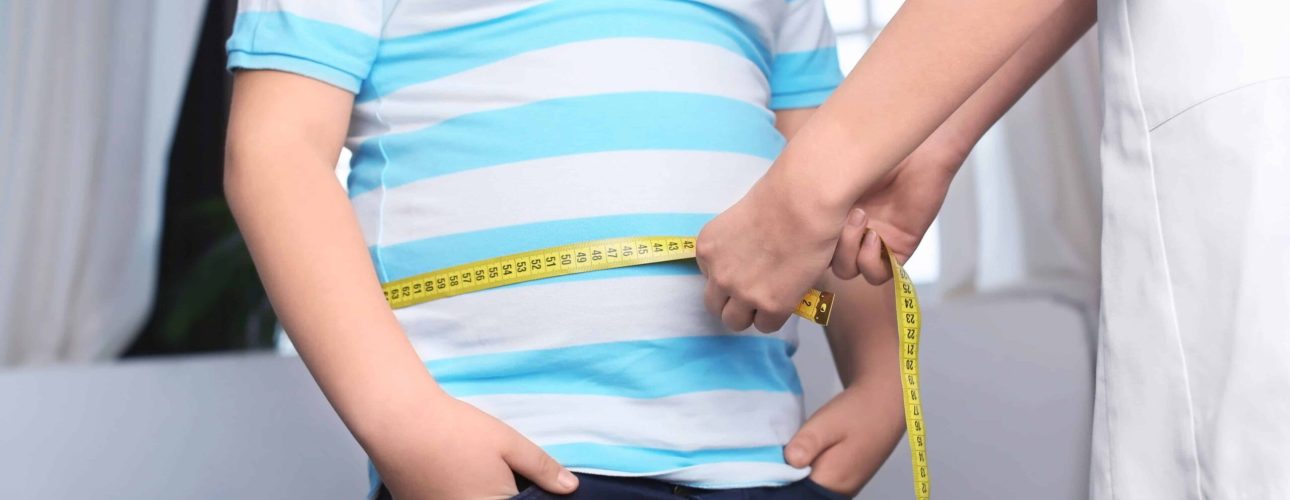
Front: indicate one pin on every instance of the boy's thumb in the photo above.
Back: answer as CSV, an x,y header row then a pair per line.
x,y
811,440
528,460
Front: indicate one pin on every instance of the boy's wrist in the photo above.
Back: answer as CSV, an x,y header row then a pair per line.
x,y
880,398
385,414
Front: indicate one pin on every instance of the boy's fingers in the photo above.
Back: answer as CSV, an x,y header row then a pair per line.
x,y
737,315
848,248
835,470
812,439
528,460
871,261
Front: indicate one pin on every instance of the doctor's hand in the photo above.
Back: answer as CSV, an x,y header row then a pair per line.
x,y
899,208
762,254
449,449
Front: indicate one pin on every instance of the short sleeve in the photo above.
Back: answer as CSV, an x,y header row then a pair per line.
x,y
805,68
334,42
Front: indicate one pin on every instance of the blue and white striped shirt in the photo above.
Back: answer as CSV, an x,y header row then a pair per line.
x,y
485,127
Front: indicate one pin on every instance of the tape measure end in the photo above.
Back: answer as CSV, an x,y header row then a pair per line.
x,y
824,310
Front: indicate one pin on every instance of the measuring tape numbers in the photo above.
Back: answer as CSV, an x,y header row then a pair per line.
x,y
564,260
634,251
909,324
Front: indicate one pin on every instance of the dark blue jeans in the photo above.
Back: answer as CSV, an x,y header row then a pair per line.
x,y
592,487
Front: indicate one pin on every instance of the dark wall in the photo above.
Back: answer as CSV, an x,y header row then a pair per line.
x,y
208,297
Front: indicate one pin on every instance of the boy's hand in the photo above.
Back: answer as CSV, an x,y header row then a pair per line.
x,y
844,443
452,450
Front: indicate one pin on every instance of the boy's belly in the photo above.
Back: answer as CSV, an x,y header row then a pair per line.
x,y
625,375
617,372
649,308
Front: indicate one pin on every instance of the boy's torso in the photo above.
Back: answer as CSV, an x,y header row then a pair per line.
x,y
490,128
580,131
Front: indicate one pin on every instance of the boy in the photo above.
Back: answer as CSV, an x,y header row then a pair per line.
x,y
485,128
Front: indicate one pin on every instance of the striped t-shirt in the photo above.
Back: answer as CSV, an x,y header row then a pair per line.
x,y
483,128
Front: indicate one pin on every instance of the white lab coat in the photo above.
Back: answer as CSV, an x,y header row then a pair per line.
x,y
1193,376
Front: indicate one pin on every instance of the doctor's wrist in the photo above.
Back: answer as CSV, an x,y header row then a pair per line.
x,y
816,173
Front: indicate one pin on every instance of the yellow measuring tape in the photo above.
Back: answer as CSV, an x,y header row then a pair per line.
x,y
634,251
564,260
909,323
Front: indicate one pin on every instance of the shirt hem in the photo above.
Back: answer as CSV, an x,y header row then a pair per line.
x,y
241,59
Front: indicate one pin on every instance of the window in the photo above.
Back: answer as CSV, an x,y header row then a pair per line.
x,y
857,23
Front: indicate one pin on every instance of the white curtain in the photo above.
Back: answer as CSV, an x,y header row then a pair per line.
x,y
1024,217
89,95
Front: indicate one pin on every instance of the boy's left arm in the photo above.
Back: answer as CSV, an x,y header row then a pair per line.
x,y
787,121
846,440
849,438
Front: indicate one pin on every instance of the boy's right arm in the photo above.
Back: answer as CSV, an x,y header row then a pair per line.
x,y
285,134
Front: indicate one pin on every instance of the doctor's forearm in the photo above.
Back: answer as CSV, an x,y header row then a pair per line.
x,y
928,61
1049,42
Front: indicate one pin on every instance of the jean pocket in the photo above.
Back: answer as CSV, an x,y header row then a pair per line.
x,y
822,492
532,492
